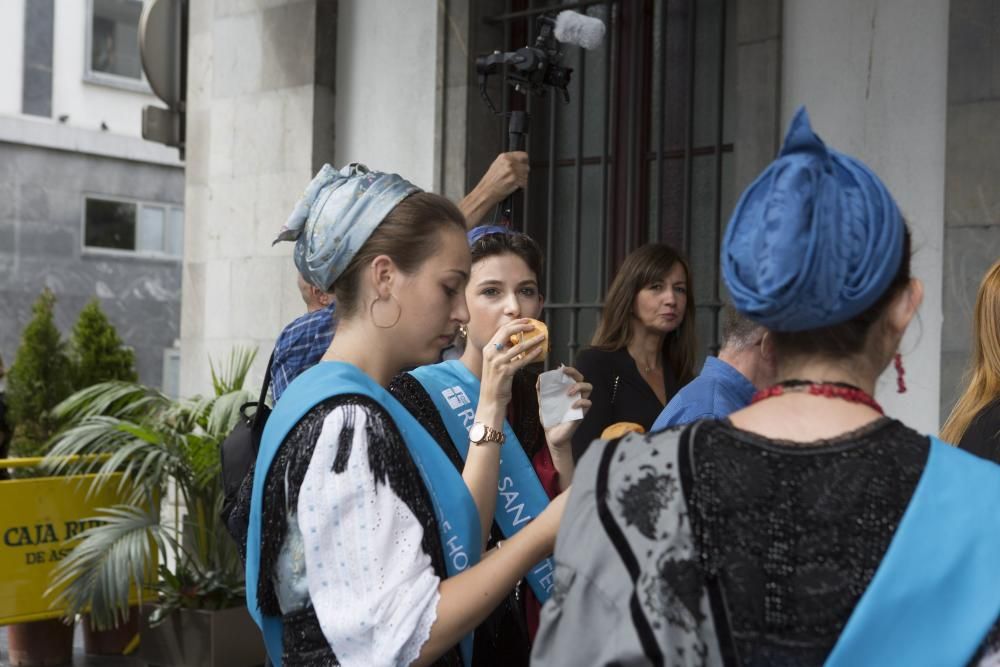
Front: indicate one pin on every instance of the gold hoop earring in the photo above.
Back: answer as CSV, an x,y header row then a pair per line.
x,y
399,313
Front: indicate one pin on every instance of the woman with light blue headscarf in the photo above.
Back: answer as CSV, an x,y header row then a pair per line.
x,y
807,528
364,538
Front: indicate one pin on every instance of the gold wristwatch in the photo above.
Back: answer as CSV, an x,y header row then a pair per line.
x,y
481,434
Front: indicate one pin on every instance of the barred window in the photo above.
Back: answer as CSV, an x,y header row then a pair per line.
x,y
643,152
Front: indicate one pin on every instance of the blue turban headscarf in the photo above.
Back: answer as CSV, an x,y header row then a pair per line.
x,y
336,215
814,241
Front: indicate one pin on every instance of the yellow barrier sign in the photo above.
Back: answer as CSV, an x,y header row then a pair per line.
x,y
39,517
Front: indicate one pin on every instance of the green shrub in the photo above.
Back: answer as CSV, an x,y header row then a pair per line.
x,y
39,379
98,353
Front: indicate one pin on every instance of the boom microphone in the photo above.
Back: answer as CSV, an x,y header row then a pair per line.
x,y
579,29
535,68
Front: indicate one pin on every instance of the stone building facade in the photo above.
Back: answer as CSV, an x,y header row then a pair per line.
x,y
87,208
277,87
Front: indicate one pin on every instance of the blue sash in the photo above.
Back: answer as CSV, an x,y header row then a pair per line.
x,y
457,517
937,591
455,392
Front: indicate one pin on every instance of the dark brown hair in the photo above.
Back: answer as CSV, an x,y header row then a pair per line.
x,y
523,408
849,338
641,268
408,236
520,245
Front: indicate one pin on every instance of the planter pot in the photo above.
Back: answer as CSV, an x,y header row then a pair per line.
x,y
116,641
40,643
203,638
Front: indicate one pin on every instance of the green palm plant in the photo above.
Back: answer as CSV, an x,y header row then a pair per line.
x,y
158,444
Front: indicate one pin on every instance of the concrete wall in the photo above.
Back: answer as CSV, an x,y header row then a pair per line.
x,y
758,89
41,225
262,118
972,185
873,74
259,116
387,78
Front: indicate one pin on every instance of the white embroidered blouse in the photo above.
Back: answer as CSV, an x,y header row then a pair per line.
x,y
357,555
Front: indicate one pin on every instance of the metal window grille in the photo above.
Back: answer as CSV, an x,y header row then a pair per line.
x,y
641,153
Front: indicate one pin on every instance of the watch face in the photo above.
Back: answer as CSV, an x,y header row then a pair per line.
x,y
477,432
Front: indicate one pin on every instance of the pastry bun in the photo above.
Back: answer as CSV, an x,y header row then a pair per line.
x,y
618,429
539,330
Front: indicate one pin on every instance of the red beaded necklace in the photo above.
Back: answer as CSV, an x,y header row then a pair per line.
x,y
841,390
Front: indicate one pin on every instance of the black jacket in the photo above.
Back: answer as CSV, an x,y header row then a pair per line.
x,y
982,437
620,394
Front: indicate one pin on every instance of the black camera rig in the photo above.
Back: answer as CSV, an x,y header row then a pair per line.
x,y
530,70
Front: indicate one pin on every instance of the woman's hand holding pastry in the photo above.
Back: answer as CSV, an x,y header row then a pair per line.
x,y
502,359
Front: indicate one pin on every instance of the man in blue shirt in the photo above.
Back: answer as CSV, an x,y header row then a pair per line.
x,y
727,382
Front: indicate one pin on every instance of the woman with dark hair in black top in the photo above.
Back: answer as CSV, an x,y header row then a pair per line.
x,y
644,348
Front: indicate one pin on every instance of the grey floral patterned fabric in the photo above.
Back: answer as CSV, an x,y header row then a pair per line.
x,y
625,556
711,545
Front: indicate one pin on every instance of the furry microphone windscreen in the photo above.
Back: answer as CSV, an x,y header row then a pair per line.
x,y
575,28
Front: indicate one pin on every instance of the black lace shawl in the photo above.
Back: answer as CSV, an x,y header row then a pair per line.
x,y
792,535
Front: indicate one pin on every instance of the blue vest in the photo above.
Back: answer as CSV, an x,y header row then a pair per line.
x,y
936,593
455,393
454,508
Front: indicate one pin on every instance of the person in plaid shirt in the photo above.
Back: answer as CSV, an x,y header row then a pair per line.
x,y
303,342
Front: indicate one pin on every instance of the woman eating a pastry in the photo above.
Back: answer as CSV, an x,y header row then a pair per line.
x,y
487,400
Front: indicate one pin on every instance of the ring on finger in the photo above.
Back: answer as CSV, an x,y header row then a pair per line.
x,y
498,346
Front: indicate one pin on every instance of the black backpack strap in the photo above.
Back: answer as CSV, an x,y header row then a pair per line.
x,y
238,454
255,423
263,391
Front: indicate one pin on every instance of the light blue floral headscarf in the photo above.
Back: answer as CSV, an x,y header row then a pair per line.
x,y
336,215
